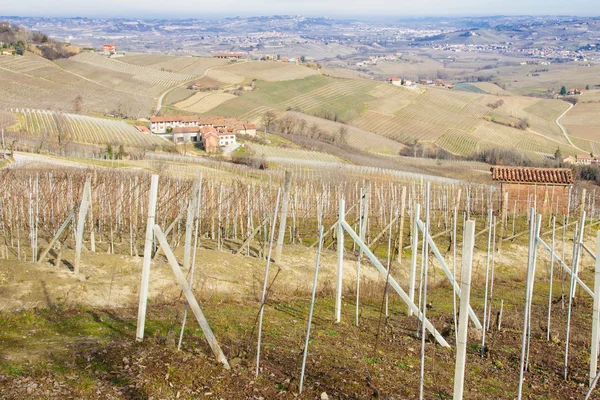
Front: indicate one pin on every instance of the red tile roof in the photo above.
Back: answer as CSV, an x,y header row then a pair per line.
x,y
142,128
553,176
186,129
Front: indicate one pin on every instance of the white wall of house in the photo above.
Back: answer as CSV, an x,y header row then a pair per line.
x,y
226,139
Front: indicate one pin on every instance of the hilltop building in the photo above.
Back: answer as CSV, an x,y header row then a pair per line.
x,y
228,55
109,48
545,188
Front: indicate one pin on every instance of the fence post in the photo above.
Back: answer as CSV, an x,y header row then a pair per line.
x,y
340,263
465,293
413,262
595,321
147,258
283,216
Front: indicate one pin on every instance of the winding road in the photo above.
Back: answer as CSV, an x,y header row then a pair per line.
x,y
162,96
564,130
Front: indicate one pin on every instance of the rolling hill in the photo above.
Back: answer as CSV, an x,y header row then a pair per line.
x,y
380,114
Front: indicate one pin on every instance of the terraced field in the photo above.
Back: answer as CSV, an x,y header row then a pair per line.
x,y
84,129
144,74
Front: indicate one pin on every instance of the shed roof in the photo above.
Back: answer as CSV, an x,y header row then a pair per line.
x,y
552,176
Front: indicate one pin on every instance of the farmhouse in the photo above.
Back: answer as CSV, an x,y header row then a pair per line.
x,y
163,124
545,188
109,48
228,55
395,81
580,159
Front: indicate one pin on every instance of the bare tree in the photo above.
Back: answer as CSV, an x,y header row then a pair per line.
x,y
267,119
343,132
287,124
301,126
313,130
78,104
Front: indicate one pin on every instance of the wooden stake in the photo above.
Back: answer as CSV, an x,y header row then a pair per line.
x,y
340,263
153,193
465,286
283,218
266,279
312,306
595,315
189,296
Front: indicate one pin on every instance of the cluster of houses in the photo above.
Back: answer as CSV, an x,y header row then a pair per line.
x,y
373,60
211,133
575,92
424,82
581,159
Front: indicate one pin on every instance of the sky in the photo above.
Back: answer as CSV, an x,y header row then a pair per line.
x,y
330,8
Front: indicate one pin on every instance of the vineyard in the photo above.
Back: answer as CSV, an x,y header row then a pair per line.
x,y
180,65
404,130
583,119
33,82
71,260
267,71
84,129
278,153
204,101
358,138
339,97
139,73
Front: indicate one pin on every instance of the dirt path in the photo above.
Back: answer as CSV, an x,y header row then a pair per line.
x,y
564,130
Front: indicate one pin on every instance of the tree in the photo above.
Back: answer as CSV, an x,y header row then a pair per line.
x,y
301,126
19,49
313,130
343,132
302,59
563,91
78,104
587,87
267,119
558,154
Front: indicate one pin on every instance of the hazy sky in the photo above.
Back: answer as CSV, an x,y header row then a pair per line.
x,y
333,8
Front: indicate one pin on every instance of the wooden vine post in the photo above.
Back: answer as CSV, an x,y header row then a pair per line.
x,y
283,217
153,194
463,324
